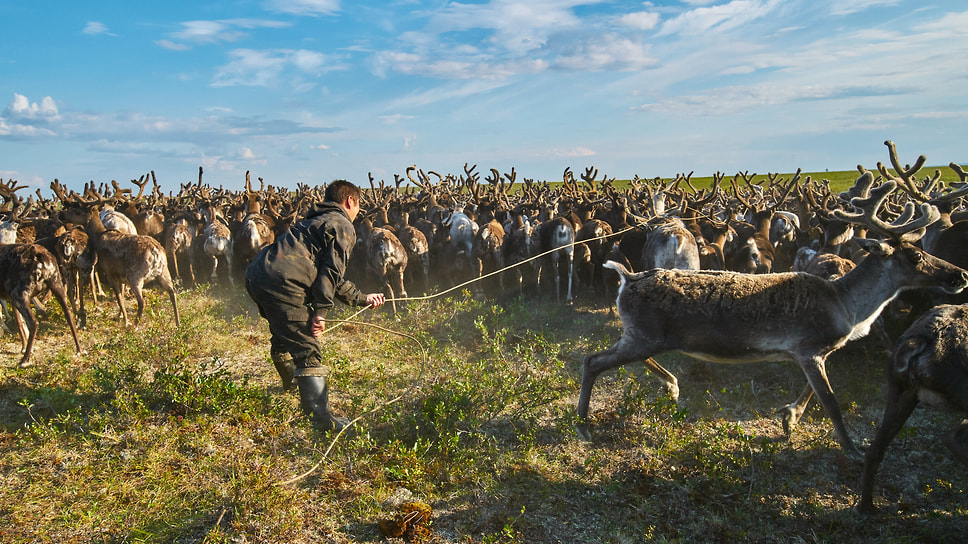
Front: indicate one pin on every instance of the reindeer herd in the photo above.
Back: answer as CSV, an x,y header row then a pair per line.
x,y
742,271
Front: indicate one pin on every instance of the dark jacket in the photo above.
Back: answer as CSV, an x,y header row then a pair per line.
x,y
304,269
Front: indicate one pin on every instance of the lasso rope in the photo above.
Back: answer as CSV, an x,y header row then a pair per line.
x,y
349,320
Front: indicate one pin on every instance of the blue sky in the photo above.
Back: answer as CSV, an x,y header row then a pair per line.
x,y
314,90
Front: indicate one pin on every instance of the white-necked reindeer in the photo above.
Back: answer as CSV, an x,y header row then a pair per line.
x,y
744,318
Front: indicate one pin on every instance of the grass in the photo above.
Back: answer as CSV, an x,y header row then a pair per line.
x,y
158,434
467,407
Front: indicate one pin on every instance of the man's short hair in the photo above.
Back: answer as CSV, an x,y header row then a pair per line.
x,y
340,189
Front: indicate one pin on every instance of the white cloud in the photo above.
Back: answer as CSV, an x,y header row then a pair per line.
x,y
846,7
263,68
22,131
572,152
246,154
718,18
207,32
94,28
168,44
519,27
608,52
304,7
640,20
395,118
215,31
23,110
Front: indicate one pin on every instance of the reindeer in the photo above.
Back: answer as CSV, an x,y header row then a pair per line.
x,y
756,253
742,318
487,256
27,271
123,259
386,259
77,260
554,238
517,248
255,231
929,365
14,210
215,241
146,220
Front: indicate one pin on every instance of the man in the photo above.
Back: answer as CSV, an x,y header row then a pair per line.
x,y
295,280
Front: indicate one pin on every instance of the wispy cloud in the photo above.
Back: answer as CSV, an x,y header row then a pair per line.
x,y
846,7
608,52
304,7
732,100
718,18
264,68
217,31
506,38
94,28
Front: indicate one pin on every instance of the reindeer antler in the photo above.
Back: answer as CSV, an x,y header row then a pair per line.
x,y
905,228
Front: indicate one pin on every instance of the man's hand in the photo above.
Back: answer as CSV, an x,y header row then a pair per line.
x,y
375,300
317,325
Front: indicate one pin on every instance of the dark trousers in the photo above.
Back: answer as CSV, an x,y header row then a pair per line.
x,y
284,308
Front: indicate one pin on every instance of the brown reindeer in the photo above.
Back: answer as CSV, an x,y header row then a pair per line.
x,y
744,318
386,259
123,259
255,231
28,271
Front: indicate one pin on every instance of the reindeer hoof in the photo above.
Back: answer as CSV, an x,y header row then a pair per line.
x,y
673,391
583,432
789,419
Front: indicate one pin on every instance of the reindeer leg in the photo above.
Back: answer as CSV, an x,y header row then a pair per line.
x,y
117,295
570,261
81,310
21,327
228,267
21,306
137,289
96,288
555,261
625,351
168,285
957,441
399,288
671,383
3,316
816,372
57,288
793,411
899,406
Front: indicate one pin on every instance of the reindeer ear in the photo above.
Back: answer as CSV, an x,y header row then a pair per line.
x,y
874,247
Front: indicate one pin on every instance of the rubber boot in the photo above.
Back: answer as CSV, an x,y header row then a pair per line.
x,y
314,399
286,369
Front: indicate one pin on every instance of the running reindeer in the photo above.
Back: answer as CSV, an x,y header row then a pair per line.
x,y
929,365
742,318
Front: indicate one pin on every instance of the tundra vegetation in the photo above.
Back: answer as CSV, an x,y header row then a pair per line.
x,y
466,405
